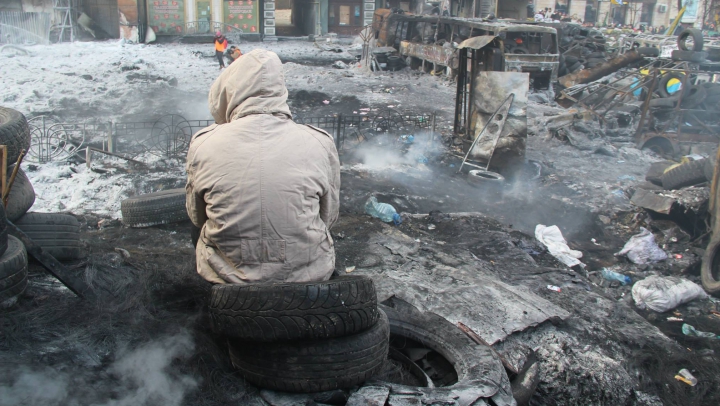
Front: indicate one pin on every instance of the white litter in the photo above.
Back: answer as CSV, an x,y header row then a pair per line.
x,y
642,249
663,293
553,239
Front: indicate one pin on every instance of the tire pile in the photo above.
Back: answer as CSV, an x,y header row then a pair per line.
x,y
167,206
58,234
303,337
580,48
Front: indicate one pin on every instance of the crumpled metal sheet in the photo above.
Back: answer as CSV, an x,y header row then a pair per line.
x,y
477,42
493,309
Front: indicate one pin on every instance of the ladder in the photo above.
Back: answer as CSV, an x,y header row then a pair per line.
x,y
65,11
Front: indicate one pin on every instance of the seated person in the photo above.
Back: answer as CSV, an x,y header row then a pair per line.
x,y
233,53
263,190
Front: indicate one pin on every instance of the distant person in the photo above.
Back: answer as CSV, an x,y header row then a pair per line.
x,y
539,16
445,11
233,53
221,44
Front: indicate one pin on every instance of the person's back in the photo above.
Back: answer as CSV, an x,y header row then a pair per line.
x,y
264,190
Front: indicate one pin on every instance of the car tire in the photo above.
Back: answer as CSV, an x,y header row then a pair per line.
x,y
687,174
570,60
480,373
697,36
649,51
167,206
3,231
693,96
22,196
14,133
314,365
57,234
270,312
688,56
662,87
486,179
13,272
710,268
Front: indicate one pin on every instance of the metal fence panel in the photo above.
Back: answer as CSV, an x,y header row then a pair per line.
x,y
17,27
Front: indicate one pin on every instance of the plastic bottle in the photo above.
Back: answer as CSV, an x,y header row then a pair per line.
x,y
383,211
614,276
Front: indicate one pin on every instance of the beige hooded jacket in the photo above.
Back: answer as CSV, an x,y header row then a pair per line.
x,y
264,190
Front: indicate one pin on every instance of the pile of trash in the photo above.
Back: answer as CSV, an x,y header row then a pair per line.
x,y
580,47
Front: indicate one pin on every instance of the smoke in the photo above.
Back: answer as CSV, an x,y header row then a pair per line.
x,y
385,150
139,376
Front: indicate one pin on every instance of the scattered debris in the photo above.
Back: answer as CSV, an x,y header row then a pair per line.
x,y
349,269
553,239
614,276
663,293
642,249
685,376
383,211
689,330
123,252
554,288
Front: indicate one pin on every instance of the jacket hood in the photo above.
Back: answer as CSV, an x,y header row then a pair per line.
x,y
253,84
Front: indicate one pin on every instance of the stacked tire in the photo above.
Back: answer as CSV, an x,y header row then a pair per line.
x,y
303,337
15,135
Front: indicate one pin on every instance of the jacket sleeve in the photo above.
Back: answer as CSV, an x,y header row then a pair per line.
x,y
194,200
330,201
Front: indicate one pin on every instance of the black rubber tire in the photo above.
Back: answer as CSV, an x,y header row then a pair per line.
x,y
575,67
13,271
3,231
656,170
14,133
481,178
520,50
597,55
314,365
156,208
710,268
477,366
663,83
709,168
688,174
570,60
693,96
22,196
688,56
649,51
697,37
271,312
58,234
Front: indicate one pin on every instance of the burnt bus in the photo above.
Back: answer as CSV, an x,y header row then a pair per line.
x,y
432,42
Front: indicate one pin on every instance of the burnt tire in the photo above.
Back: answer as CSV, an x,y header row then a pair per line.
x,y
478,368
697,36
156,208
3,230
687,174
14,133
649,51
270,312
486,179
13,272
57,234
665,81
693,96
688,56
314,365
570,60
22,196
710,268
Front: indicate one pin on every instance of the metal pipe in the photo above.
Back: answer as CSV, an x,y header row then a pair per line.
x,y
604,69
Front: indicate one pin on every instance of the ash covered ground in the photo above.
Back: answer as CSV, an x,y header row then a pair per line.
x,y
607,352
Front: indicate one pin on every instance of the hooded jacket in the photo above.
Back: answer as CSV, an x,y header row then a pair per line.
x,y
263,190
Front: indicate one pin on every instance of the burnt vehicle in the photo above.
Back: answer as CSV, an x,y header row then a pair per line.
x,y
431,42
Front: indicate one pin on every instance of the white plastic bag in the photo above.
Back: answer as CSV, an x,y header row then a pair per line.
x,y
642,249
663,293
553,239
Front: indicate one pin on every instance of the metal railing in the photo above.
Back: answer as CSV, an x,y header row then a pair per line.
x,y
169,136
21,28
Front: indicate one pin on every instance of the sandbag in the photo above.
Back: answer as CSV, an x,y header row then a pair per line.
x,y
663,293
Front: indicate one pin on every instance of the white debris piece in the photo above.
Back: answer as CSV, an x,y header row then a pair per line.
x,y
553,239
642,249
663,293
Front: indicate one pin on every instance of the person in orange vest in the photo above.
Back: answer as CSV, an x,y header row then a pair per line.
x,y
221,44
